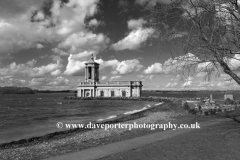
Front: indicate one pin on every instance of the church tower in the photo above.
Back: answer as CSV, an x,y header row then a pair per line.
x,y
91,71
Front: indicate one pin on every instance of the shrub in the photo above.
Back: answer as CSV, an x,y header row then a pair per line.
x,y
186,106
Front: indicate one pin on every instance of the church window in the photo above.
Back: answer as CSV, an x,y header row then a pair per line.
x,y
101,93
123,93
112,93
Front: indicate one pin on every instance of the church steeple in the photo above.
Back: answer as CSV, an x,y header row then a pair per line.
x,y
91,70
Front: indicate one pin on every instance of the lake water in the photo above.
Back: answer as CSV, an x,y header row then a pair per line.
x,y
26,116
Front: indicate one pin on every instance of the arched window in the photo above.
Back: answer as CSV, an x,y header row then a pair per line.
x,y
123,93
112,93
101,93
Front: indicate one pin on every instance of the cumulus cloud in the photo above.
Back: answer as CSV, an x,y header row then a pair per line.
x,y
9,81
128,66
154,69
81,41
103,78
39,46
38,82
204,67
59,81
51,21
146,77
234,63
31,63
110,63
171,84
134,39
133,24
94,23
113,78
173,65
28,69
76,65
41,82
56,72
205,84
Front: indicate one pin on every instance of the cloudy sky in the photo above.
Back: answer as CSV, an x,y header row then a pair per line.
x,y
45,43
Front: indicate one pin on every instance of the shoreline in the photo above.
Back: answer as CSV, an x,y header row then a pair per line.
x,y
61,134
74,140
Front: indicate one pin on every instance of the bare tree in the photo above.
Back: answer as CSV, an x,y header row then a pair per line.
x,y
209,29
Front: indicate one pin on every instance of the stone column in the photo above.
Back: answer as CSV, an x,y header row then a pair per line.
x,y
98,74
130,91
86,76
137,91
93,74
80,93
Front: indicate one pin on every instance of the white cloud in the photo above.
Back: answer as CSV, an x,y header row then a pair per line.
x,y
56,72
154,69
205,84
110,63
81,41
113,78
38,82
74,67
103,78
39,46
59,81
187,84
39,16
171,85
205,66
146,77
31,63
76,63
133,24
9,81
128,66
94,22
67,18
28,69
41,82
234,63
134,40
173,65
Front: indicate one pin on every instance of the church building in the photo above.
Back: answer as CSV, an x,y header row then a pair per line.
x,y
92,87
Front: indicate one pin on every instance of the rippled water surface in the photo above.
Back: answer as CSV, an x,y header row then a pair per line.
x,y
25,116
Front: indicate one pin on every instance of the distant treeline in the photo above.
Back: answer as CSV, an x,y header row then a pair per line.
x,y
217,95
49,91
16,90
